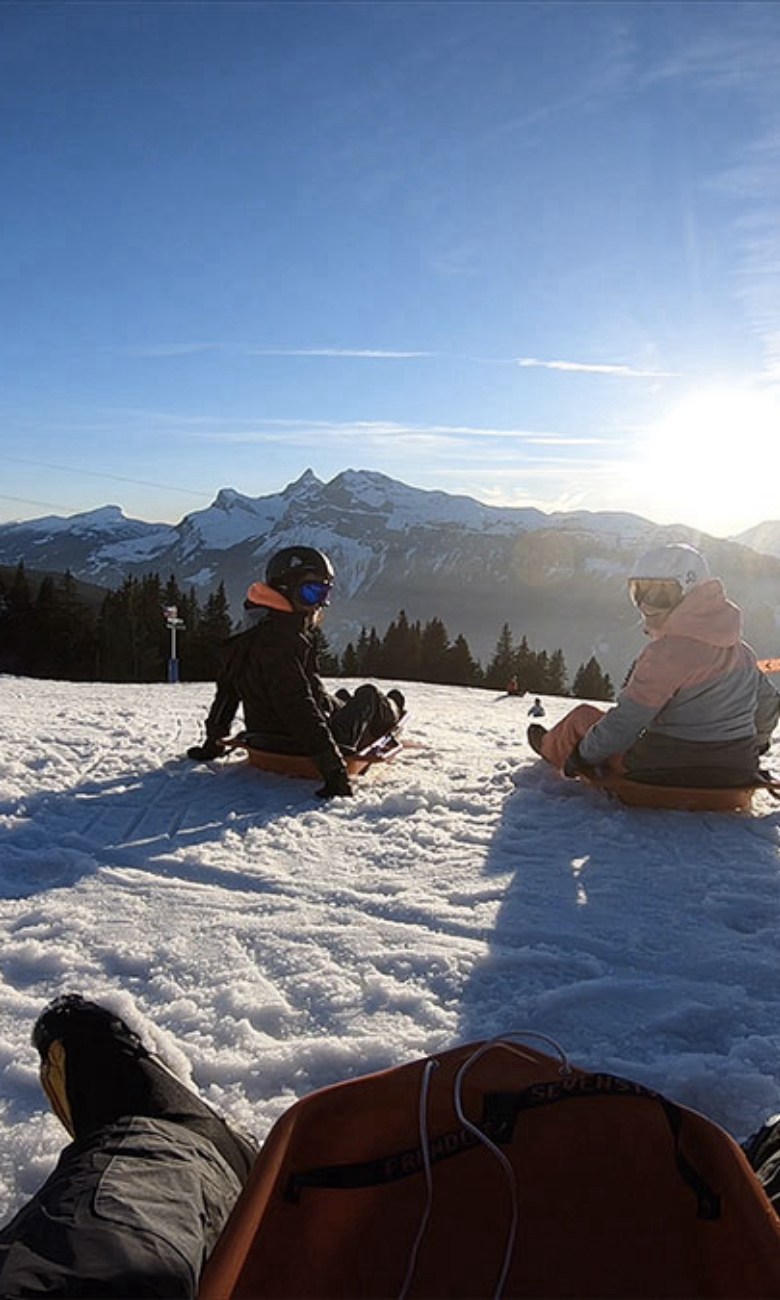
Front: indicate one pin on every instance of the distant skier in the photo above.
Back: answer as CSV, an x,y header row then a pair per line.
x,y
537,709
695,710
270,667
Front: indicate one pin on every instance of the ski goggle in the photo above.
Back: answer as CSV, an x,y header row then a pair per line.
x,y
314,593
655,593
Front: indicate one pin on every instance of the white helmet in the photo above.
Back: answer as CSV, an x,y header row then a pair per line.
x,y
663,576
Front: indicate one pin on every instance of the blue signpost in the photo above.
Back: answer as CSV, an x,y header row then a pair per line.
x,y
172,621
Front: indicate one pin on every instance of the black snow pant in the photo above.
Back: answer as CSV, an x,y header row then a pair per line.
x,y
363,718
354,724
132,1210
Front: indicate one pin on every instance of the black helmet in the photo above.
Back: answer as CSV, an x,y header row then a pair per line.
x,y
303,574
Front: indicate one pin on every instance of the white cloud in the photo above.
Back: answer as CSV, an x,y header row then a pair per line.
x,y
370,353
598,368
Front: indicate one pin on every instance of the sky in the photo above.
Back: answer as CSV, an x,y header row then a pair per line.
x,y
268,945
529,252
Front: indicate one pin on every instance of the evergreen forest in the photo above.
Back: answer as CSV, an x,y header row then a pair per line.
x,y
48,628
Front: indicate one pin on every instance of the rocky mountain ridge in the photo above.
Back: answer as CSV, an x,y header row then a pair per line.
x,y
557,578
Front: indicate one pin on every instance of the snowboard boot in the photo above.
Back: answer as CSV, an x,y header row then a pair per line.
x,y
95,1069
535,735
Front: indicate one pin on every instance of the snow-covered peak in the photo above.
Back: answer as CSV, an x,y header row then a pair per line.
x,y
229,499
407,507
110,520
302,486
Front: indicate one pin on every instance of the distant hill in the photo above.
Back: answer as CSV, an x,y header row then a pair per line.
x,y
764,537
559,578
88,592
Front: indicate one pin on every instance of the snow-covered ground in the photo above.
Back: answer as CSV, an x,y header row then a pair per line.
x,y
267,945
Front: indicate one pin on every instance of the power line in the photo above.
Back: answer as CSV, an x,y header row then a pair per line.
x,y
93,473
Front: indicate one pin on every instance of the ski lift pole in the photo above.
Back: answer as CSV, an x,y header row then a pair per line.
x,y
172,622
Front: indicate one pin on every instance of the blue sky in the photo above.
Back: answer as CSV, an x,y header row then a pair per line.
x,y
529,252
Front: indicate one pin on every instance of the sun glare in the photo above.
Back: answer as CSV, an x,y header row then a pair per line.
x,y
714,461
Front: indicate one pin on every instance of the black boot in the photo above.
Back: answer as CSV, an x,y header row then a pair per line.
x,y
535,735
95,1069
399,700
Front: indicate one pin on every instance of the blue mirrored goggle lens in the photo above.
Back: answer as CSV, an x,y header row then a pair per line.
x,y
314,593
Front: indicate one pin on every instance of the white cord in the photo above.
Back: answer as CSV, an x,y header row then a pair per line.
x,y
506,1164
425,1087
502,1040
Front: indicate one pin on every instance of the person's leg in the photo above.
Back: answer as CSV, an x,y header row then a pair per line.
x,y
558,743
132,1210
368,715
137,1201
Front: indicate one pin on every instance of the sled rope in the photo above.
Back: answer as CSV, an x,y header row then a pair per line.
x,y
502,1040
425,1088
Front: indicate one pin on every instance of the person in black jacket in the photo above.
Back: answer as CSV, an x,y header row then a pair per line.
x,y
270,668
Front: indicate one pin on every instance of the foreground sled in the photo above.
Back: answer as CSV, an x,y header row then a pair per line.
x,y
272,760
638,794
495,1170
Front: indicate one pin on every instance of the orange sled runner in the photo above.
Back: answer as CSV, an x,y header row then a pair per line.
x,y
494,1170
638,794
270,760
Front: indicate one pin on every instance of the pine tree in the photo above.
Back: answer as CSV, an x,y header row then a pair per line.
x,y
371,660
558,675
349,662
590,683
501,668
327,661
462,669
434,648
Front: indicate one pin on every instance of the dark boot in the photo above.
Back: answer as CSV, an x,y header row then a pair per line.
x,y
95,1069
535,735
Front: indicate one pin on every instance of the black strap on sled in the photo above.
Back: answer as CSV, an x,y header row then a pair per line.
x,y
499,1118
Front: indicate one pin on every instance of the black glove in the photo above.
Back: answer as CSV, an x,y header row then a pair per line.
x,y
335,786
576,765
204,753
333,768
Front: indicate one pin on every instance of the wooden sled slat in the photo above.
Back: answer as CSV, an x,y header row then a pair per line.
x,y
637,794
300,764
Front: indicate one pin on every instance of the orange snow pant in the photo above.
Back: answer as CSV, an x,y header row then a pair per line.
x,y
566,734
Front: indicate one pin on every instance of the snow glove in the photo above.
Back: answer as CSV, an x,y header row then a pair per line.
x,y
576,765
337,782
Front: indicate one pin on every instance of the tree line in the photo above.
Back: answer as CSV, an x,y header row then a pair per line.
x,y
47,629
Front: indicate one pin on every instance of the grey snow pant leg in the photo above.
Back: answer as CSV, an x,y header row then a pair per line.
x,y
132,1210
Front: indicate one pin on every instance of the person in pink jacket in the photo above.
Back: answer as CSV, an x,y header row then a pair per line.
x,y
696,710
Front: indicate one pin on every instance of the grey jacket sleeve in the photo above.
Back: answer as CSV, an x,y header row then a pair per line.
x,y
617,732
767,710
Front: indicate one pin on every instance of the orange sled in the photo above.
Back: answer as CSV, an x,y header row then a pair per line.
x,y
638,794
381,751
488,1171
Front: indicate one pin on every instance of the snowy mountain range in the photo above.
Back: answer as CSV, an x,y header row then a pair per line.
x,y
557,578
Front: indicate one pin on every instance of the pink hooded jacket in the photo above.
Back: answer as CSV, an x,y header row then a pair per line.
x,y
697,681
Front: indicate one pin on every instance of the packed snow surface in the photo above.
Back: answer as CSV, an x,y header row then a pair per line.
x,y
266,944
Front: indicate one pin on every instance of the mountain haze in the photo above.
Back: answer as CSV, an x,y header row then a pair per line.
x,y
557,578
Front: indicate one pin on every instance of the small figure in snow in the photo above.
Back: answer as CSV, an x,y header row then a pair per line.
x,y
537,709
695,710
270,668
512,687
